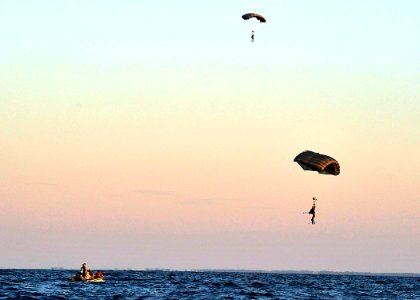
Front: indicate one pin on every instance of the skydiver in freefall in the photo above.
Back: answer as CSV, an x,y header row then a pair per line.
x,y
312,211
252,36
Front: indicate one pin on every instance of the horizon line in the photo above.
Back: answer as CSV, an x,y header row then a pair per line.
x,y
228,270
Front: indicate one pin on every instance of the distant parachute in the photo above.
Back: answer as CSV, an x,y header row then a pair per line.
x,y
321,163
254,15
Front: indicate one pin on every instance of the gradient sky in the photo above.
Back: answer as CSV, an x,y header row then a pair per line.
x,y
143,134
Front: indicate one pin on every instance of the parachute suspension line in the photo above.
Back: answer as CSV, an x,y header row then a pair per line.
x,y
318,184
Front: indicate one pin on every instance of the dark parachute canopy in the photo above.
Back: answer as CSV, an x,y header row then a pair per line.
x,y
321,163
254,15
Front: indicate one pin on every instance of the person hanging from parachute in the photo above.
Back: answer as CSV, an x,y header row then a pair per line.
x,y
256,16
321,163
312,211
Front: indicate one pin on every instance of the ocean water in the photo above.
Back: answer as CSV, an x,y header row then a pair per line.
x,y
54,284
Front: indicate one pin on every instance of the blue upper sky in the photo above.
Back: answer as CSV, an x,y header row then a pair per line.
x,y
297,32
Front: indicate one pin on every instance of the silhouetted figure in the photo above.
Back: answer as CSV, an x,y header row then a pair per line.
x,y
312,211
252,36
85,272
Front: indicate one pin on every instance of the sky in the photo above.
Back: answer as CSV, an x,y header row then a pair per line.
x,y
154,134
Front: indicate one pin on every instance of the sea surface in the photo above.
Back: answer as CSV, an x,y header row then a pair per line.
x,y
55,284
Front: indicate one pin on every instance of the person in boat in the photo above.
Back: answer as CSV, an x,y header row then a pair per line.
x,y
85,272
99,274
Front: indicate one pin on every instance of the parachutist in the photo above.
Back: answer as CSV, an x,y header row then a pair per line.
x,y
256,16
312,211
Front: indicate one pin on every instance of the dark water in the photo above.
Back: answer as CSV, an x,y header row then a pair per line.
x,y
54,284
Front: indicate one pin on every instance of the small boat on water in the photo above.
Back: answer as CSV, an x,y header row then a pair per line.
x,y
99,277
93,280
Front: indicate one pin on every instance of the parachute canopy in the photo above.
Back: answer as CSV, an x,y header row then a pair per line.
x,y
254,15
321,163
